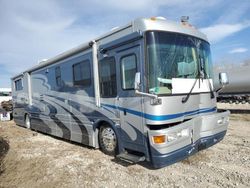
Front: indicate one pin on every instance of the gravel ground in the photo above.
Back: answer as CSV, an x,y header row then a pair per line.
x,y
30,159
234,106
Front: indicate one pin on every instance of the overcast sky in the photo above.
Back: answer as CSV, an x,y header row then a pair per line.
x,y
34,30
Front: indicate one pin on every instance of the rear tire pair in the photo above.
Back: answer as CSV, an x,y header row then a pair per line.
x,y
107,140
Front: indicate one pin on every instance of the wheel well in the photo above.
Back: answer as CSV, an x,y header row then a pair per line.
x,y
100,123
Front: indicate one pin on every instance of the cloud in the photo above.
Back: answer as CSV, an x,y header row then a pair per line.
x,y
232,13
117,10
35,30
32,33
238,50
216,33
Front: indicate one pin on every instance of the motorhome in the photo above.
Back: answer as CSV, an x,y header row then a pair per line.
x,y
141,92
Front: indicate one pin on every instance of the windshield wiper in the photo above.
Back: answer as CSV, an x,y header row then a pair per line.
x,y
201,74
185,99
206,76
210,85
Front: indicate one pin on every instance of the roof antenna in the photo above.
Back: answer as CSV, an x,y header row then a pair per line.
x,y
184,19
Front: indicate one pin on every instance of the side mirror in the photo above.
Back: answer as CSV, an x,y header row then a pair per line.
x,y
223,78
137,81
137,84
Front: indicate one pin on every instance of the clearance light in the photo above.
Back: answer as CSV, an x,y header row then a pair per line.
x,y
159,139
153,18
157,18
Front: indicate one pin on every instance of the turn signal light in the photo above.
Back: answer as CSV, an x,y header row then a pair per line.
x,y
159,139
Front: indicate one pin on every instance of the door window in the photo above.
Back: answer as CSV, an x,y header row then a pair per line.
x,y
128,70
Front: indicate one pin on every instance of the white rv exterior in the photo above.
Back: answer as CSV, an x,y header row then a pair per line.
x,y
143,91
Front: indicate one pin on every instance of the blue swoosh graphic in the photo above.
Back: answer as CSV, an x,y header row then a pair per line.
x,y
161,117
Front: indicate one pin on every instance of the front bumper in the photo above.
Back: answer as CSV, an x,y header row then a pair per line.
x,y
160,161
201,133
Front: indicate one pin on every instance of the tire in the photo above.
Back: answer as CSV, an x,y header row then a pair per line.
x,y
107,140
27,121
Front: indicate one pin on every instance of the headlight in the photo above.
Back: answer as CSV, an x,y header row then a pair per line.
x,y
177,135
160,139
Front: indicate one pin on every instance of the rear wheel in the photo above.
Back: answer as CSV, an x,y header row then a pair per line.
x,y
107,140
27,121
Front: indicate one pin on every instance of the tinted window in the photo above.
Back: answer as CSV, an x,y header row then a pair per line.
x,y
18,84
128,70
108,77
81,74
58,76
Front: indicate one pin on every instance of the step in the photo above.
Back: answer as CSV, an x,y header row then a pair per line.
x,y
130,157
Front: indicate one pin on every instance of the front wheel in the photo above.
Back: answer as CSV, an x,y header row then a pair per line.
x,y
27,121
107,140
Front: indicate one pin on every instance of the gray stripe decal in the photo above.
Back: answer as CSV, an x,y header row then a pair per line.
x,y
64,128
85,138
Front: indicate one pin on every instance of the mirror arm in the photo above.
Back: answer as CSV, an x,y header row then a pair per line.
x,y
218,90
155,100
146,94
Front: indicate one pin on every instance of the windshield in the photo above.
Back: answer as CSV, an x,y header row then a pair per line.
x,y
174,55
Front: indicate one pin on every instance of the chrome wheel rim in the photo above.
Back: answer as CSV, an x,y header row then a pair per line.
x,y
109,138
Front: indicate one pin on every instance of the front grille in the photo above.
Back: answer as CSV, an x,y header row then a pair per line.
x,y
164,126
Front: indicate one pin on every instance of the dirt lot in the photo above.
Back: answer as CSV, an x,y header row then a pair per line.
x,y
30,159
234,107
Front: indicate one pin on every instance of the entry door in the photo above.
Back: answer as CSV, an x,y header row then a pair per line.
x,y
130,105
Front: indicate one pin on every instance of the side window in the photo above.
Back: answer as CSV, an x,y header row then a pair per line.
x,y
19,84
82,74
58,76
108,77
128,70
